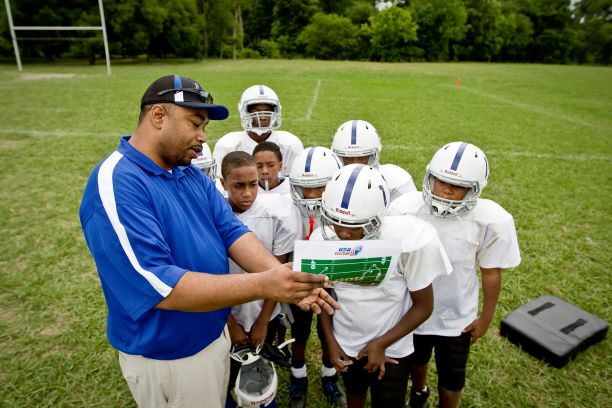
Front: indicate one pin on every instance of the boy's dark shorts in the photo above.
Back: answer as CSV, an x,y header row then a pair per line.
x,y
388,392
451,355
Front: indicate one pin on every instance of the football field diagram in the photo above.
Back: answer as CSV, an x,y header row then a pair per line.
x,y
362,271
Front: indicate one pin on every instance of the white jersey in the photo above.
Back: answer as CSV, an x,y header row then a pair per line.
x,y
367,313
274,225
399,180
309,220
283,188
484,237
290,146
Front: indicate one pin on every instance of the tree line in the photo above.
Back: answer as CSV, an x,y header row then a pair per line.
x,y
542,31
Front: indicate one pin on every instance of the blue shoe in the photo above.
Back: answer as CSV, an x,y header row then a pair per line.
x,y
298,387
332,391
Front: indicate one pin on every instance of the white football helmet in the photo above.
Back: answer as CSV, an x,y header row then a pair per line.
x,y
257,381
358,138
313,167
206,162
461,164
356,196
254,95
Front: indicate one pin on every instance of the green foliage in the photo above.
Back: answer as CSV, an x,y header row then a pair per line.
x,y
393,34
330,36
517,33
270,49
360,12
290,18
550,31
441,27
483,39
249,53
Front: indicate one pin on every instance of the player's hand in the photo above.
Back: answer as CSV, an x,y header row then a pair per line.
x,y
339,358
237,334
376,358
320,300
478,328
257,335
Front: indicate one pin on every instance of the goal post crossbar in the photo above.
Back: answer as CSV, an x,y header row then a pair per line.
x,y
13,28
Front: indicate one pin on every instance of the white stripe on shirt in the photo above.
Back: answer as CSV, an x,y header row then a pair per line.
x,y
107,195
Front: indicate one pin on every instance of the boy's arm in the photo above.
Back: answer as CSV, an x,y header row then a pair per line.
x,y
259,330
491,287
422,306
236,331
337,356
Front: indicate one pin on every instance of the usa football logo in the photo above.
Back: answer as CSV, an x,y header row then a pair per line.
x,y
356,250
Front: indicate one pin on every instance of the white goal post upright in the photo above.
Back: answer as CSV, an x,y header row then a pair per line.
x,y
101,27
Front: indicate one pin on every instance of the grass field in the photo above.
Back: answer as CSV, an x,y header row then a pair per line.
x,y
547,131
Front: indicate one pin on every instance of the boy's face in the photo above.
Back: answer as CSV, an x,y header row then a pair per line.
x,y
261,120
449,191
268,168
346,233
312,193
357,160
241,186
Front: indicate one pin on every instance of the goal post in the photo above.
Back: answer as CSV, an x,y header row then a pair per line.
x,y
14,28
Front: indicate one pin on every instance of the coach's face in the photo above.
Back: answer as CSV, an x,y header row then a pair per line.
x,y
182,132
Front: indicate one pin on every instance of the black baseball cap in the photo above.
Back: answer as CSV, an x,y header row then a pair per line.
x,y
183,91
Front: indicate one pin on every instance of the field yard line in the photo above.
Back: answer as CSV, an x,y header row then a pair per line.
x,y
566,157
313,102
532,108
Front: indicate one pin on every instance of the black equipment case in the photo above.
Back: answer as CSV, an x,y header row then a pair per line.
x,y
552,330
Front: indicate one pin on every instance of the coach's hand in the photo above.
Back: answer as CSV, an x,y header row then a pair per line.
x,y
304,289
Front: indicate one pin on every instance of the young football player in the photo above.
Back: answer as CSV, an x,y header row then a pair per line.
x,y
255,322
476,233
357,141
260,116
310,172
269,161
369,338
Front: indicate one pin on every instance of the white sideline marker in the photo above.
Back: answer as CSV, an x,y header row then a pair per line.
x,y
313,102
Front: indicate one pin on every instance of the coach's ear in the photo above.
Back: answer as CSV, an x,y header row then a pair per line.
x,y
157,114
222,183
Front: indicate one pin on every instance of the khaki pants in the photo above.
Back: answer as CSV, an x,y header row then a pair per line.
x,y
196,381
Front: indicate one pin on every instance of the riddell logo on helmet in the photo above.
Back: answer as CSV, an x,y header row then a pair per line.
x,y
452,173
307,174
343,211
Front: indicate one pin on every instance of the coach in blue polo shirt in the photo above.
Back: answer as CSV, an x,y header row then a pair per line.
x,y
160,235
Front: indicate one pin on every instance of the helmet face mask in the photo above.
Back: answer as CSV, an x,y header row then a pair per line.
x,y
460,164
312,168
253,121
358,138
356,197
206,162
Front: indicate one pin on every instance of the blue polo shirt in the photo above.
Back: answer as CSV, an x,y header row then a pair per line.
x,y
145,228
